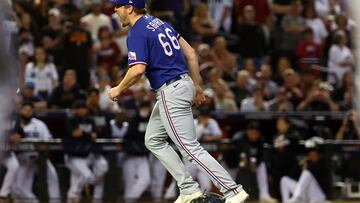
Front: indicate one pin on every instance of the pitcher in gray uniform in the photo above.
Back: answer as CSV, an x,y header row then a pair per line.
x,y
159,52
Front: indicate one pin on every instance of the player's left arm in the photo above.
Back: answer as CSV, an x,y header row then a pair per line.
x,y
194,70
133,75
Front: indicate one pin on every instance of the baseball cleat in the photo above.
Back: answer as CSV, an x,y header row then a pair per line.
x,y
238,198
187,198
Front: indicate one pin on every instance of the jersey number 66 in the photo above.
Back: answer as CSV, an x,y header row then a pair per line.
x,y
168,48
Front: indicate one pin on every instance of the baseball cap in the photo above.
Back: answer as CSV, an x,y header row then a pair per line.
x,y
29,84
326,86
54,12
134,3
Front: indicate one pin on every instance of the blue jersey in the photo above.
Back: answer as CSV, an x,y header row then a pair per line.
x,y
156,44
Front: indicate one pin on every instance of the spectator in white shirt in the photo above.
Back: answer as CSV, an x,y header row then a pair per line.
x,y
42,73
220,11
95,20
103,86
255,103
316,24
341,59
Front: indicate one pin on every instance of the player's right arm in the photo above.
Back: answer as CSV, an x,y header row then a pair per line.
x,y
194,70
133,75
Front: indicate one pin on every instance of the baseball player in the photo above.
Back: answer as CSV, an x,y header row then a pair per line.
x,y
79,146
33,128
10,162
159,52
136,169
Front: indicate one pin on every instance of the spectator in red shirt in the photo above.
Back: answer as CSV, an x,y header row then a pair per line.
x,y
107,51
308,52
261,7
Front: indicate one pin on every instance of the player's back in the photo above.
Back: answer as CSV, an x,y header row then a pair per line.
x,y
156,44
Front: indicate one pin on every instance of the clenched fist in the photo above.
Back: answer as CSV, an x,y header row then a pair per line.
x,y
114,93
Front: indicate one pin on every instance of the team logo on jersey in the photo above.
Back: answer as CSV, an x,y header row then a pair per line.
x,y
132,55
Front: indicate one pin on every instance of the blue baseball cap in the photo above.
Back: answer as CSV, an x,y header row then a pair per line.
x,y
134,3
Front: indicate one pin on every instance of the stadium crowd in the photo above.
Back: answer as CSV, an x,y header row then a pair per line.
x,y
254,55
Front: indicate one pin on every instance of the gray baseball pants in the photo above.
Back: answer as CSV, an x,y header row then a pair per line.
x,y
172,117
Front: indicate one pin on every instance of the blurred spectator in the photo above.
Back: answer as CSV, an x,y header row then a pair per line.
x,y
35,129
207,59
180,10
77,49
292,86
103,85
28,95
262,9
341,59
202,24
250,152
24,58
42,73
319,99
119,127
79,144
116,76
255,103
269,87
348,101
97,73
132,103
214,75
284,153
293,25
220,11
308,82
101,118
326,7
309,52
209,99
96,19
51,34
280,8
346,85
160,9
344,23
281,103
66,93
338,24
350,130
224,101
106,50
13,137
28,29
250,66
26,44
314,182
227,60
316,24
251,35
136,169
243,87
282,64
207,130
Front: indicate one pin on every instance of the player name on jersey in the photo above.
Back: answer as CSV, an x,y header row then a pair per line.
x,y
154,24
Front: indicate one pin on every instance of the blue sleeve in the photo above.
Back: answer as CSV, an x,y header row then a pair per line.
x,y
138,49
